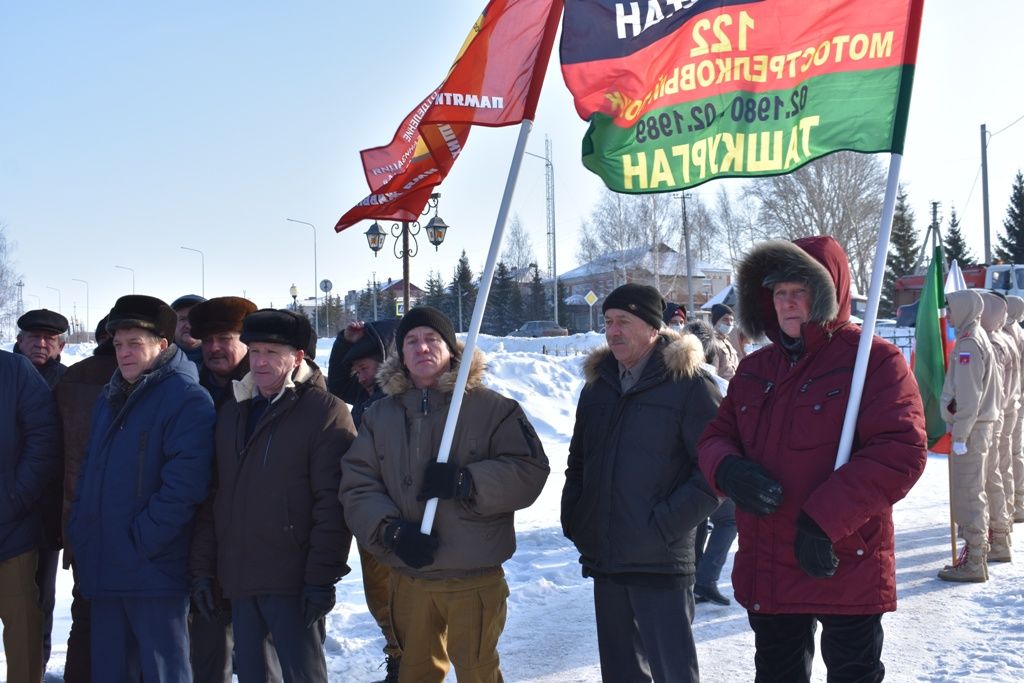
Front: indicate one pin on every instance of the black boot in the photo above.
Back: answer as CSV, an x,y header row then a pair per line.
x,y
709,594
391,664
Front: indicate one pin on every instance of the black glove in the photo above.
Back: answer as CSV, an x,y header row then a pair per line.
x,y
749,485
317,602
414,548
203,598
446,480
813,548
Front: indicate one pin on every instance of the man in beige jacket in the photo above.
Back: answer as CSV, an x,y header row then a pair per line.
x,y
970,404
1015,314
1007,373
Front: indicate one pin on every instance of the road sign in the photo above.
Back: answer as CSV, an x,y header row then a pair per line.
x,y
590,298
326,285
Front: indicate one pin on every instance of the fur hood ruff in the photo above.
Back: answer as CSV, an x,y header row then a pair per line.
x,y
245,388
393,379
682,353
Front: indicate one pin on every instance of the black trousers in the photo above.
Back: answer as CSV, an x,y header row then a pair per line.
x,y
78,661
272,642
784,647
211,642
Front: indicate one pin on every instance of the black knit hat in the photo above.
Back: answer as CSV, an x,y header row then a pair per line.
x,y
187,301
427,316
377,338
279,327
643,301
705,335
219,315
146,312
717,311
101,330
43,320
672,309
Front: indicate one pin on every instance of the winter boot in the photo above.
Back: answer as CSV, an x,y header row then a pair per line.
x,y
999,546
969,567
392,664
709,593
1018,516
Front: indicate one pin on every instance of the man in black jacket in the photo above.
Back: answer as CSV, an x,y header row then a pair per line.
x,y
633,494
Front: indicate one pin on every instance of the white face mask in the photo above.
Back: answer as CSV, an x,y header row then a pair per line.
x,y
724,328
678,327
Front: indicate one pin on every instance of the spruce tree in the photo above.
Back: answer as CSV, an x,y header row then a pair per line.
x,y
536,301
461,286
564,315
1011,245
386,308
435,294
498,316
903,250
954,244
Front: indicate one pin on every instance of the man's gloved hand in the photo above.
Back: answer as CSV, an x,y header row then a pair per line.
x,y
960,447
813,548
749,485
446,480
414,548
203,598
317,602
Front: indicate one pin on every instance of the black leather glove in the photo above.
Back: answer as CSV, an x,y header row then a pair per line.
x,y
813,548
203,598
446,480
317,602
414,548
749,485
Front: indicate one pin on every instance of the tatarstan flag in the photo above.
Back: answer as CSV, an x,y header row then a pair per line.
x,y
679,92
929,349
495,80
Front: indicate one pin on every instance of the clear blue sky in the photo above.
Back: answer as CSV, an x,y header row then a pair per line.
x,y
128,131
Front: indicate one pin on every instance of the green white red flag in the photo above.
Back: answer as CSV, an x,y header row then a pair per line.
x,y
679,92
930,348
495,80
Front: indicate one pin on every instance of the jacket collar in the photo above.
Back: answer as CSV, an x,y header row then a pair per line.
x,y
246,389
677,355
393,379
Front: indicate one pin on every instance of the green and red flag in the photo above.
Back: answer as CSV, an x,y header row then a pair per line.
x,y
679,92
930,349
495,80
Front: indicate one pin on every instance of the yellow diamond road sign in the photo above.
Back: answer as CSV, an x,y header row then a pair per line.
x,y
591,298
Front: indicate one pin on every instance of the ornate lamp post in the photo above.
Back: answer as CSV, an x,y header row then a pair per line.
x,y
294,291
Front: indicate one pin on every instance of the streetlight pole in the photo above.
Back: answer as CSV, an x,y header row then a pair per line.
x,y
316,280
549,195
60,304
87,325
202,265
133,275
689,260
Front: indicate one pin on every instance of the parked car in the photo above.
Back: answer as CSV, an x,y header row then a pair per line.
x,y
540,328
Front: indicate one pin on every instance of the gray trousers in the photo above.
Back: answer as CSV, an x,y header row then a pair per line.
x,y
643,633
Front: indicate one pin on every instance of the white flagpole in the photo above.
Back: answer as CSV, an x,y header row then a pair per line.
x,y
478,314
860,368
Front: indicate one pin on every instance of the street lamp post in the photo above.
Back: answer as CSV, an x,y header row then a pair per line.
x,y
133,275
689,259
87,325
316,280
202,266
436,230
294,291
60,304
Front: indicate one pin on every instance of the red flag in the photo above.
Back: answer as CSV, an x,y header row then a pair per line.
x,y
495,80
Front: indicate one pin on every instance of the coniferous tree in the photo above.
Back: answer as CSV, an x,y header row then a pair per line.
x,y
435,294
564,316
903,250
365,305
954,244
386,308
461,294
1011,245
499,315
536,305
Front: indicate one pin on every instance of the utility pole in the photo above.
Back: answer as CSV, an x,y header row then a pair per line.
x,y
549,197
984,193
689,258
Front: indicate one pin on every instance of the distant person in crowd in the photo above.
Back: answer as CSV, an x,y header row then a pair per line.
x,y
188,344
448,592
76,395
816,544
272,532
29,454
633,494
726,358
711,550
1015,314
356,357
146,470
217,322
674,316
999,483
41,338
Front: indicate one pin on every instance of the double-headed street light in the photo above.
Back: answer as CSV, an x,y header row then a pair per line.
x,y
316,280
202,266
435,228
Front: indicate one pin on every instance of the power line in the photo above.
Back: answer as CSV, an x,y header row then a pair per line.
x,y
1018,120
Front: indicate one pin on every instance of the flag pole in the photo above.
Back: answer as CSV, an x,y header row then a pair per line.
x,y
860,368
486,278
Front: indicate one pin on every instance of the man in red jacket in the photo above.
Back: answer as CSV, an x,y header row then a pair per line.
x,y
816,544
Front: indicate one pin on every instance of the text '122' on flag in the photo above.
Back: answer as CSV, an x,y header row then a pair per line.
x,y
679,92
495,80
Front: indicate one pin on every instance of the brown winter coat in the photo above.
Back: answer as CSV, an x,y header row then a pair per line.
x,y
274,523
76,394
401,433
970,393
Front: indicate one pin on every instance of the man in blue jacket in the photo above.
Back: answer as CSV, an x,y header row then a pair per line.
x,y
147,469
29,455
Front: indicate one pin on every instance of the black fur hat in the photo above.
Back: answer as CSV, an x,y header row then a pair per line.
x,y
186,301
643,301
279,327
219,315
427,316
44,320
146,312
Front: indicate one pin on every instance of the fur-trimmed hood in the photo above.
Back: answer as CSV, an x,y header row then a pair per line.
x,y
682,353
819,261
394,380
245,388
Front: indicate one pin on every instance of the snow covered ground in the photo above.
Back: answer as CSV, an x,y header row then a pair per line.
x,y
941,632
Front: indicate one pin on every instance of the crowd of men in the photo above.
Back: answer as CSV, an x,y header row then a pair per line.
x,y
205,481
